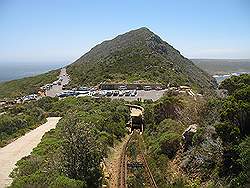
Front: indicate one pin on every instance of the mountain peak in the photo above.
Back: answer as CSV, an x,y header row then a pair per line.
x,y
137,55
142,29
142,33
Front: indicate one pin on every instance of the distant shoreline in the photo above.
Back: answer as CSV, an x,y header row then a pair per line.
x,y
15,71
220,77
223,66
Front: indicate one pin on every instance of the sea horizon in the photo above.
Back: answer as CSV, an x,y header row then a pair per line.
x,y
16,70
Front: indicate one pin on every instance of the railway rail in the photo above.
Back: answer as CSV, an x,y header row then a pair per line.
x,y
123,165
122,179
148,171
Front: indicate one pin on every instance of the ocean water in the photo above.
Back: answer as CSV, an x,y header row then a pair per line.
x,y
220,78
11,71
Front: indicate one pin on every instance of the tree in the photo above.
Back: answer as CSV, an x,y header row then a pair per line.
x,y
81,153
235,82
166,108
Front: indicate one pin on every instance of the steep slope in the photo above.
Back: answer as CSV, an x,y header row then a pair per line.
x,y
137,56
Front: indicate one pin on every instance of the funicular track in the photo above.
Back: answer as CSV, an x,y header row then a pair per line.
x,y
123,171
145,164
123,165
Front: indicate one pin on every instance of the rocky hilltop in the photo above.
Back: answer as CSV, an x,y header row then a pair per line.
x,y
137,56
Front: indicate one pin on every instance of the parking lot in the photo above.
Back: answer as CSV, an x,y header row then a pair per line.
x,y
122,92
142,94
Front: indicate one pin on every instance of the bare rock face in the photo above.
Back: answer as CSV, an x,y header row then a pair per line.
x,y
188,134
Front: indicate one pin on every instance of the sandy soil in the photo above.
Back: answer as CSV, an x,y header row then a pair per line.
x,y
112,163
20,148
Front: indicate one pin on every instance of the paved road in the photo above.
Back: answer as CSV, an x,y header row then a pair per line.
x,y
56,89
20,148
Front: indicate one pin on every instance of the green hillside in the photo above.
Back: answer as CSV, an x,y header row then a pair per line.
x,y
28,85
137,56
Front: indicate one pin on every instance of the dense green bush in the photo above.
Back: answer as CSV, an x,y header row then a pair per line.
x,y
81,151
232,132
235,83
169,144
65,182
162,135
231,120
165,108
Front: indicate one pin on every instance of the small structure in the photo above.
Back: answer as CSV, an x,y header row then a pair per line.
x,y
136,118
184,87
188,134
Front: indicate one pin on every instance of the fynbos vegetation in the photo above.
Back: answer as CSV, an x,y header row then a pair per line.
x,y
188,141
137,56
70,155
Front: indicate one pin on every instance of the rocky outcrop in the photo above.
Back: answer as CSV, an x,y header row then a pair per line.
x,y
188,134
205,154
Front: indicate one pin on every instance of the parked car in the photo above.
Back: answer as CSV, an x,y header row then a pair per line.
x,y
48,86
93,93
93,89
122,87
62,95
81,92
64,87
83,89
116,93
103,93
147,88
67,93
134,93
109,93
71,93
127,93
158,88
121,93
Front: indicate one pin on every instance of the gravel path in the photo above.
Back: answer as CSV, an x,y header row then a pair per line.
x,y
20,148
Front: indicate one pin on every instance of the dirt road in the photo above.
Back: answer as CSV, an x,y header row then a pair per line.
x,y
21,147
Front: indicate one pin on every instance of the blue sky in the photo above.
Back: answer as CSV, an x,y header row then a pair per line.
x,y
62,30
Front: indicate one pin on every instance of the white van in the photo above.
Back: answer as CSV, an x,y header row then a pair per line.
x,y
147,88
